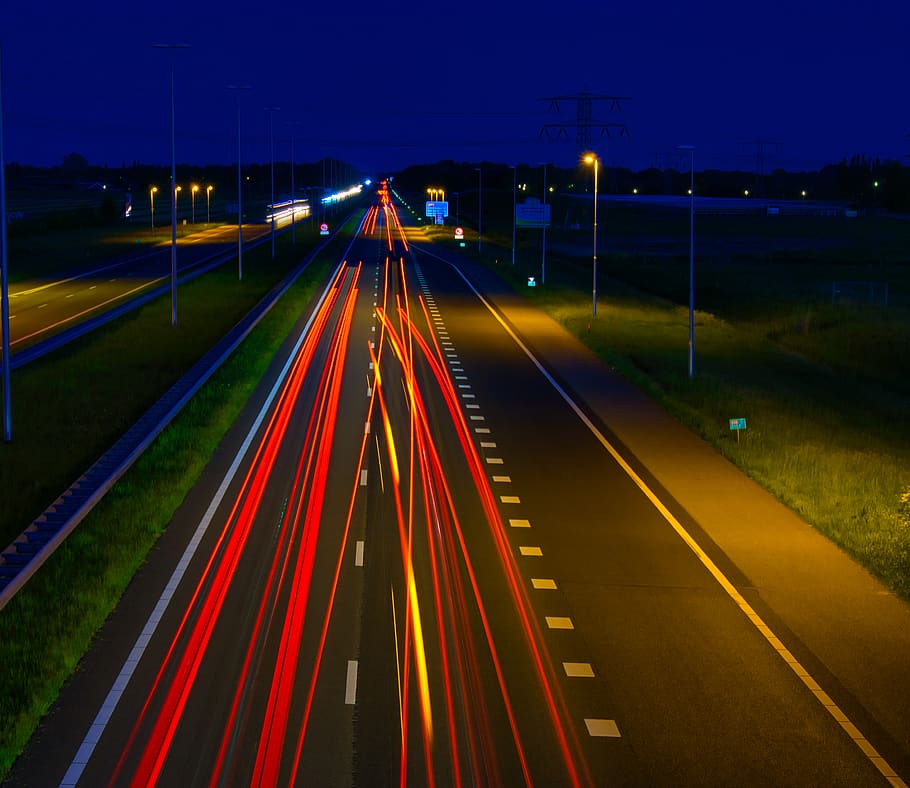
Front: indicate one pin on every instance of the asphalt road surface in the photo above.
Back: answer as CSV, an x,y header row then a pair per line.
x,y
413,562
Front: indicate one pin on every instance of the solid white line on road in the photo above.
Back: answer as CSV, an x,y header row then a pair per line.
x,y
350,685
530,550
607,728
358,553
559,622
543,583
579,669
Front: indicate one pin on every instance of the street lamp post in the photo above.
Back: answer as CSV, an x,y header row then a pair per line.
x,y
238,88
172,47
272,111
514,207
4,284
152,192
193,189
691,149
592,158
208,204
543,254
479,206
293,191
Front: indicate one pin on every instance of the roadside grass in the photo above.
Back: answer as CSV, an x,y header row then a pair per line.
x,y
47,627
825,388
70,406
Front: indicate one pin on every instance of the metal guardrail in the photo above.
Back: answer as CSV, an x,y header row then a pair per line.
x,y
21,559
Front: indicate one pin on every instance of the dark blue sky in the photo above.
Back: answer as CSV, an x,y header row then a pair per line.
x,y
385,84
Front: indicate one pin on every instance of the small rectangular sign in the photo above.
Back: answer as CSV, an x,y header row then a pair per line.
x,y
737,424
532,213
532,282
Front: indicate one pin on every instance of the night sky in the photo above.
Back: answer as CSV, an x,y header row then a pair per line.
x,y
385,84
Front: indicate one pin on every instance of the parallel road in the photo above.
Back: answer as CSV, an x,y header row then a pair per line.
x,y
40,308
412,562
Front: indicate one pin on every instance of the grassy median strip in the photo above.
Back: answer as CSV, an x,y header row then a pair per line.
x,y
49,624
824,388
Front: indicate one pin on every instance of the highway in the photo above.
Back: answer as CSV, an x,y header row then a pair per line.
x,y
414,561
40,308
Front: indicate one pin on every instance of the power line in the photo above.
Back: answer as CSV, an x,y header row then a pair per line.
x,y
584,118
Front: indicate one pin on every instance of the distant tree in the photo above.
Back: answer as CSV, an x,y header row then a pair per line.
x,y
74,162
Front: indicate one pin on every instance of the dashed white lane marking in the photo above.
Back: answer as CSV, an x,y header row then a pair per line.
x,y
559,622
578,669
366,428
350,684
509,499
363,477
481,430
530,550
503,479
488,444
543,583
358,553
477,418
464,385
494,461
516,523
471,406
468,396
607,728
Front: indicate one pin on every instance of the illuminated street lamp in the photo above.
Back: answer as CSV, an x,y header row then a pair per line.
x,y
591,158
193,189
152,192
208,204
